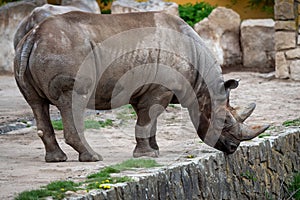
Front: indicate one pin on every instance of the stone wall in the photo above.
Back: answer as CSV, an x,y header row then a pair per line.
x,y
287,39
10,16
261,169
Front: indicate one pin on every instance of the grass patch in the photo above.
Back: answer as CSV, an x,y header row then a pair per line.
x,y
264,135
126,113
103,177
100,180
33,194
136,163
57,124
295,122
88,124
294,186
55,189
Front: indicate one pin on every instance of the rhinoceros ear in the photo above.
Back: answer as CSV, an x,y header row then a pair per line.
x,y
231,84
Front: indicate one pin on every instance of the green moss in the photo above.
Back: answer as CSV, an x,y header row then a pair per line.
x,y
295,122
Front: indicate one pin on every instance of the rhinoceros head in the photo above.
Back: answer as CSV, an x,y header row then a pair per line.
x,y
234,130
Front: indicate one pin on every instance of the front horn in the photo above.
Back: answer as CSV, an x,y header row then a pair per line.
x,y
248,133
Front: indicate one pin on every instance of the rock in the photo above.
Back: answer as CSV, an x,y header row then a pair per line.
x,y
293,54
90,5
284,9
13,13
282,66
258,45
285,40
127,6
285,25
222,36
295,70
10,16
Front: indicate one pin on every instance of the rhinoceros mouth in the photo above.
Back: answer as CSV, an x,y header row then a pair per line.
x,y
227,146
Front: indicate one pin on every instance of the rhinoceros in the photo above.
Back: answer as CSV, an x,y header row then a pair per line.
x,y
41,13
80,60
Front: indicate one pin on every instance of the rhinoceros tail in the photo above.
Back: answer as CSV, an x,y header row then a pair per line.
x,y
21,61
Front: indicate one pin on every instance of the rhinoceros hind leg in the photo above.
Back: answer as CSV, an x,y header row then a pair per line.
x,y
73,121
46,132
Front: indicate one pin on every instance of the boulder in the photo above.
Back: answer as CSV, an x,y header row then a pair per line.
x,y
258,44
10,16
221,33
127,6
90,5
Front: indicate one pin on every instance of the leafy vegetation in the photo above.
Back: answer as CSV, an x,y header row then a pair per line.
x,y
294,187
100,180
193,13
295,122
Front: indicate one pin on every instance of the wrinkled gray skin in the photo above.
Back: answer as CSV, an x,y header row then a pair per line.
x,y
78,60
39,14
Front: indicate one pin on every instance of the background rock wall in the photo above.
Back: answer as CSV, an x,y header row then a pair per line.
x,y
287,39
10,17
258,170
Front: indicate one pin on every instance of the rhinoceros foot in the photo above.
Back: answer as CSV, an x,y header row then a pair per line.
x,y
89,157
57,156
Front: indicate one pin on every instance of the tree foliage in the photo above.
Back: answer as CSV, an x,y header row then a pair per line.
x,y
193,13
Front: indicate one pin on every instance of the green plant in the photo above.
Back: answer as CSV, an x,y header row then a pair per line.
x,y
136,163
33,194
295,122
88,124
57,124
264,135
55,189
126,113
99,180
294,186
248,175
193,13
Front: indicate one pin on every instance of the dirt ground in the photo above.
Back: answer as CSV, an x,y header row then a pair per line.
x,y
22,165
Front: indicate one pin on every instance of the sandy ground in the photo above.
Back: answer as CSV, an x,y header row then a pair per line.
x,y
22,165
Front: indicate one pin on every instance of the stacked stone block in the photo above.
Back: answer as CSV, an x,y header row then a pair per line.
x,y
258,170
287,39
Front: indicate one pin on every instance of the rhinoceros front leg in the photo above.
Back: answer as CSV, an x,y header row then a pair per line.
x,y
46,132
148,109
73,122
145,136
